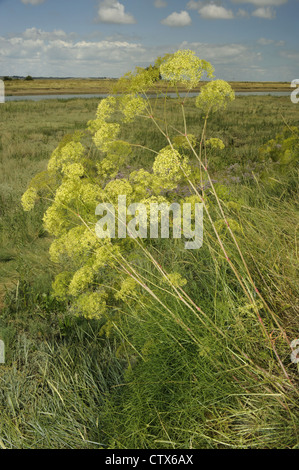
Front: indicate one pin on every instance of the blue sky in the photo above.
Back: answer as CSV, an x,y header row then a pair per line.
x,y
243,39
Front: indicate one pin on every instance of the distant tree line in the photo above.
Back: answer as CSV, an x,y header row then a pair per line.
x,y
6,78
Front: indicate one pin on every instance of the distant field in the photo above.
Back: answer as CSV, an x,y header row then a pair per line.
x,y
59,86
20,87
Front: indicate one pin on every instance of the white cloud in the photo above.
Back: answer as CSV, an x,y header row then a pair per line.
x,y
221,53
264,12
267,42
263,3
177,19
35,33
234,61
32,2
210,10
215,12
242,13
292,55
112,11
160,4
41,53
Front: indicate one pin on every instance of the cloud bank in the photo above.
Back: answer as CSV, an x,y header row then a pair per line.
x,y
177,19
112,11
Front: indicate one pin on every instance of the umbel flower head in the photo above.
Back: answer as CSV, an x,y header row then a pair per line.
x,y
92,305
214,96
131,105
29,198
106,108
170,167
67,154
106,134
176,280
185,68
215,143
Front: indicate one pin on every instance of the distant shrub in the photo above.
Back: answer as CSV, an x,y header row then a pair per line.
x,y
28,78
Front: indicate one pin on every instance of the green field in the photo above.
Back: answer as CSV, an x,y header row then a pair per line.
x,y
97,86
148,383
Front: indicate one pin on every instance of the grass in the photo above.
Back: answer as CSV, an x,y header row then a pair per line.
x,y
97,86
165,376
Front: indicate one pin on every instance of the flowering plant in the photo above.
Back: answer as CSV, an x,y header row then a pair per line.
x,y
94,272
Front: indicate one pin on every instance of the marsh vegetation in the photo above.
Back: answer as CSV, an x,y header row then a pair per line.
x,y
143,380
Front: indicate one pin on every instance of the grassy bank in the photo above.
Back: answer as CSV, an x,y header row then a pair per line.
x,y
19,87
149,383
